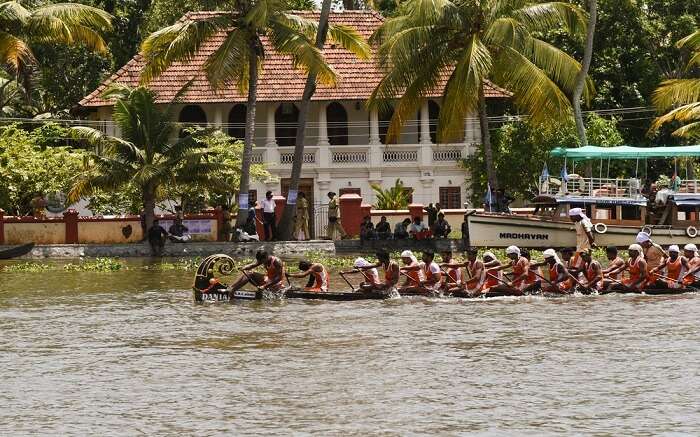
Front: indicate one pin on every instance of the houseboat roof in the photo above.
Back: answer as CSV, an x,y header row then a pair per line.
x,y
625,152
279,81
685,199
592,200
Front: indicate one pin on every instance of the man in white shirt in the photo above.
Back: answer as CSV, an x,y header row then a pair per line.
x,y
268,207
584,230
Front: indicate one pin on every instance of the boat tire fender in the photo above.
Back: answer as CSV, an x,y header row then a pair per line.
x,y
600,228
647,230
691,231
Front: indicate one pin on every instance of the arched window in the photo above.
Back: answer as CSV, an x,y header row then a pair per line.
x,y
433,115
384,121
286,117
192,114
236,121
337,120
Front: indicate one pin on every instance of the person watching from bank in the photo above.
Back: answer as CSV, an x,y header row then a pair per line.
x,y
441,229
156,238
383,229
179,232
401,229
269,225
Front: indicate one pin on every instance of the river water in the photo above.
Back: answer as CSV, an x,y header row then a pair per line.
x,y
128,353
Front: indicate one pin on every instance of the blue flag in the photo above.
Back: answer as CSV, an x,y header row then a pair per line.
x,y
564,174
489,197
545,174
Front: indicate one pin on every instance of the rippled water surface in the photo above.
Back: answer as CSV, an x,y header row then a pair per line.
x,y
129,353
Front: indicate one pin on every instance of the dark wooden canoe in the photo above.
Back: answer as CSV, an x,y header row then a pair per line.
x,y
16,251
654,291
291,293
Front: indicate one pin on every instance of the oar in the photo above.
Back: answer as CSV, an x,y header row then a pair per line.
x,y
250,280
346,280
499,279
675,280
448,275
549,282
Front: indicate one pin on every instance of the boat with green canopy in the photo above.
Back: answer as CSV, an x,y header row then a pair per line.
x,y
668,208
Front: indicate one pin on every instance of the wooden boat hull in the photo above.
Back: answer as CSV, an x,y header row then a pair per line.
x,y
503,230
15,252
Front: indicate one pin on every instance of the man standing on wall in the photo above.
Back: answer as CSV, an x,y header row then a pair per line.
x,y
268,207
335,228
584,230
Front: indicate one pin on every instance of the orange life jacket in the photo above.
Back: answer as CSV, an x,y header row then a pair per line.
x,y
321,280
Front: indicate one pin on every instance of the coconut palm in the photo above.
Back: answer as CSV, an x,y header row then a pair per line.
x,y
145,155
681,97
395,197
241,56
468,43
62,23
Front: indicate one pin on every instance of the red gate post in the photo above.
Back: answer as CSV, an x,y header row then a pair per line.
x,y
70,218
351,213
280,203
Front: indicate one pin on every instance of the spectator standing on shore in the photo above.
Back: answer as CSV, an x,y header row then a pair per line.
x,y
156,238
250,227
268,206
441,229
335,228
432,212
179,232
301,225
383,229
226,229
401,229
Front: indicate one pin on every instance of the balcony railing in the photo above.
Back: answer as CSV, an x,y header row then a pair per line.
x,y
447,155
339,157
400,156
288,158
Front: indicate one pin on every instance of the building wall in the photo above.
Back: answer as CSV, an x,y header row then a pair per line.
x,y
44,232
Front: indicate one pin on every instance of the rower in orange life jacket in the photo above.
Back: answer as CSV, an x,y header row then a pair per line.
x,y
521,270
611,274
391,272
411,270
476,273
271,281
637,269
452,280
558,275
692,277
317,273
593,271
674,269
428,273
573,263
492,275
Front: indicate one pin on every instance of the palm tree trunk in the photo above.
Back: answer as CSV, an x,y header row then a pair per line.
x,y
285,227
244,186
486,140
149,206
581,76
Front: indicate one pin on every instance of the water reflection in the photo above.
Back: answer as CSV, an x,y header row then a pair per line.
x,y
127,353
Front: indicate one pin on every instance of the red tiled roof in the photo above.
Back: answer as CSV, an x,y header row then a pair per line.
x,y
279,81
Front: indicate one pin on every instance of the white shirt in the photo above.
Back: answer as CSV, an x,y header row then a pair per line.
x,y
268,205
582,227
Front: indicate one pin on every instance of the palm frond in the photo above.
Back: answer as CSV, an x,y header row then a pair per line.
x,y
349,39
14,52
690,131
691,42
545,16
13,15
229,63
70,23
675,92
683,114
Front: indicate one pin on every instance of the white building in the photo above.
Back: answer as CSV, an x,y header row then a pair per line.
x,y
345,148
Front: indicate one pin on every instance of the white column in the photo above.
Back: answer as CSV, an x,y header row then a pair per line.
x,y
374,128
218,116
270,141
322,126
425,123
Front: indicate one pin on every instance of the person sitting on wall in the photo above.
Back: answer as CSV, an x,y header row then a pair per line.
x,y
441,229
401,229
383,229
418,230
179,232
156,238
367,231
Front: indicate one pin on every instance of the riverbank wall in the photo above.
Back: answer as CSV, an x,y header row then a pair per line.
x,y
285,249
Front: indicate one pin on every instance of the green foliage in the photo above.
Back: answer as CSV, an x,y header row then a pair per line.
x,y
520,151
395,197
26,169
96,265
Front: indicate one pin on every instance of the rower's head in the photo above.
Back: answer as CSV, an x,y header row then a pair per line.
x,y
576,214
634,250
611,252
587,255
644,240
428,256
489,256
689,250
446,256
673,252
513,252
407,257
550,256
304,265
567,253
261,256
525,254
383,256
472,253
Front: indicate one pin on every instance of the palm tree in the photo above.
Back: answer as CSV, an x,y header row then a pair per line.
x,y
62,23
348,39
583,74
144,155
241,56
396,197
469,43
681,97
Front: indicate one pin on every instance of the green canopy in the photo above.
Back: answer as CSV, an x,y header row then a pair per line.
x,y
624,152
